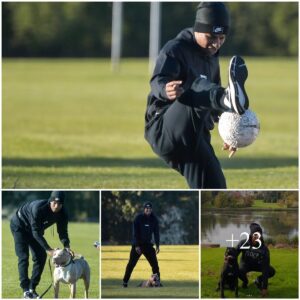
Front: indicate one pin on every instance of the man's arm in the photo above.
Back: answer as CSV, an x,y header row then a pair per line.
x,y
62,229
135,232
37,229
166,80
156,235
136,235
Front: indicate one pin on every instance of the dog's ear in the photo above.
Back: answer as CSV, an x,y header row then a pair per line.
x,y
66,252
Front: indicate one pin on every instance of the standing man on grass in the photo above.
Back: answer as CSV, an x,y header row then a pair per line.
x,y
144,226
28,226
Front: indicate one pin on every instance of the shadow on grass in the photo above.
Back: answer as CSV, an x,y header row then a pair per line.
x,y
161,259
235,163
112,288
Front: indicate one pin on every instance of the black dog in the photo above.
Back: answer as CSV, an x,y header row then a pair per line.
x,y
230,272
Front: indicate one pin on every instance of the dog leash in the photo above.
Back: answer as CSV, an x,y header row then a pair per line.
x,y
49,287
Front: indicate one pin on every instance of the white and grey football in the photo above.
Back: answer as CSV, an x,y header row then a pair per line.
x,y
239,130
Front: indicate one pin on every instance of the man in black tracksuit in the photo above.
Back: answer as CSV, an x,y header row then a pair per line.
x,y
186,98
255,258
144,226
28,226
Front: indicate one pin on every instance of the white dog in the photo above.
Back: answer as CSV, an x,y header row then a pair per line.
x,y
69,270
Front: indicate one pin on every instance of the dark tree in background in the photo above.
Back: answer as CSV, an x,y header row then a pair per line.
x,y
177,213
79,29
83,206
240,199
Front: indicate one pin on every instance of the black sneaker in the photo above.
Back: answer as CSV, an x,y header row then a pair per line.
x,y
236,98
34,294
27,295
125,284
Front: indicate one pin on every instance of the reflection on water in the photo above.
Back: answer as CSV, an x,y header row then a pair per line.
x,y
217,226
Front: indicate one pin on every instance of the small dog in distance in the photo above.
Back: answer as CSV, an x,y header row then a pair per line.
x,y
153,281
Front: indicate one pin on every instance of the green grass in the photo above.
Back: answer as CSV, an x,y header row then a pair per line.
x,y
261,204
283,285
74,124
178,267
82,236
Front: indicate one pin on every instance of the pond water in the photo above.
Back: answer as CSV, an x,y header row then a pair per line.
x,y
217,226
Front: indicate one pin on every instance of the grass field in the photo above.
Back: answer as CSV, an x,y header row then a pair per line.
x,y
178,267
283,285
74,124
82,236
260,204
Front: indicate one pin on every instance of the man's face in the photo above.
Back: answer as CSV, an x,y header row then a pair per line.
x,y
255,237
211,43
147,211
55,206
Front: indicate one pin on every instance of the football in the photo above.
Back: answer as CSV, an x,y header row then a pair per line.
x,y
239,130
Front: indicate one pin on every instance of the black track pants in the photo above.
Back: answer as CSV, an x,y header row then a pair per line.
x,y
149,252
245,268
180,137
23,242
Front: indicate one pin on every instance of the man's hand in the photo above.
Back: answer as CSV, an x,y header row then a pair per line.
x,y
231,149
138,250
50,252
174,90
157,249
264,293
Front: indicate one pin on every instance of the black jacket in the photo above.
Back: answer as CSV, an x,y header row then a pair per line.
x,y
180,59
36,216
143,229
256,259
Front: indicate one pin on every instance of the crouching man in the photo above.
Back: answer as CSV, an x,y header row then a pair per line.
x,y
28,226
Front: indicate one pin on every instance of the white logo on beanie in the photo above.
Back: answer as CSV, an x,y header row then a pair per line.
x,y
218,29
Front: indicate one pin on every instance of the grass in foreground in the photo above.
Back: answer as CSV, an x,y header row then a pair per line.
x,y
74,124
178,268
283,285
82,236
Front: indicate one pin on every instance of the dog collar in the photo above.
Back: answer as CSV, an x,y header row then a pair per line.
x,y
68,263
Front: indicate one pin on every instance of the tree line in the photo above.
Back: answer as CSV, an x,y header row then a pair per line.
x,y
241,199
177,213
78,29
82,206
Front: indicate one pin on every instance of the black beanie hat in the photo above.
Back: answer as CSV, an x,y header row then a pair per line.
x,y
212,17
254,227
148,205
58,196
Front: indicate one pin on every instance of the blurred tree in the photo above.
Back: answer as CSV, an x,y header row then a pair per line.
x,y
288,199
206,199
78,29
234,199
